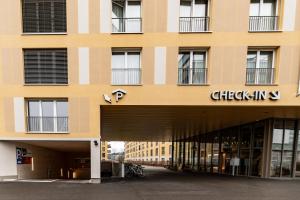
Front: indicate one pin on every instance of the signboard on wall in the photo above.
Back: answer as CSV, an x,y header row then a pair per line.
x,y
258,95
23,156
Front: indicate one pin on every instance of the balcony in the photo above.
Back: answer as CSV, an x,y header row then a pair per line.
x,y
192,76
126,25
126,76
47,124
193,24
263,23
260,76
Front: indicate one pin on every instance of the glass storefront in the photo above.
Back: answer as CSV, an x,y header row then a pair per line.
x,y
213,152
298,156
202,157
245,145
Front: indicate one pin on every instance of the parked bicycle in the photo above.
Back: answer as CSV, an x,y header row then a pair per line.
x,y
132,170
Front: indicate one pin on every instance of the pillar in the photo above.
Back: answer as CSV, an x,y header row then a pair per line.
x,y
95,160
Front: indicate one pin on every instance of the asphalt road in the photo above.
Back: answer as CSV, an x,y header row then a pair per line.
x,y
158,184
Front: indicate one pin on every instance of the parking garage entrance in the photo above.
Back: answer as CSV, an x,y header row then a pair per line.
x,y
47,160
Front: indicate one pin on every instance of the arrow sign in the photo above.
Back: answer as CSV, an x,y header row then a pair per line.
x,y
107,98
275,95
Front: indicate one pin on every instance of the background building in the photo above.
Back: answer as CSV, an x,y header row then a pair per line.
x,y
105,150
148,152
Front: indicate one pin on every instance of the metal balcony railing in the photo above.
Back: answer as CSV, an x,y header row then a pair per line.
x,y
128,76
190,76
263,23
193,24
260,76
47,124
126,25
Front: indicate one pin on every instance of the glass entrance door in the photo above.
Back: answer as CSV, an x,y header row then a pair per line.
x,y
298,157
257,150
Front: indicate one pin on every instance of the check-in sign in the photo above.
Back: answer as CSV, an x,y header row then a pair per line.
x,y
258,95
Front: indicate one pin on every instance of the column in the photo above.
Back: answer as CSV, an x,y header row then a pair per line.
x,y
95,160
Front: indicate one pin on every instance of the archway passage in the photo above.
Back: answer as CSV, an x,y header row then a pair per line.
x,y
212,138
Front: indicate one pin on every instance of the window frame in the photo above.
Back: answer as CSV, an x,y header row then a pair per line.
x,y
258,55
192,13
40,115
125,11
261,2
191,55
257,65
126,66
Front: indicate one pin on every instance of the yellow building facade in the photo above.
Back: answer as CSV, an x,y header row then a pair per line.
x,y
148,152
73,73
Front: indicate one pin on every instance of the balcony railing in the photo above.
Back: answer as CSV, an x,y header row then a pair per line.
x,y
127,25
193,24
260,76
47,124
263,23
190,76
128,76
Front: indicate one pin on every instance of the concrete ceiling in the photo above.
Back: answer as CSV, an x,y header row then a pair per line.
x,y
62,146
160,123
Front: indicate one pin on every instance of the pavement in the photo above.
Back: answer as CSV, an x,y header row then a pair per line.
x,y
158,184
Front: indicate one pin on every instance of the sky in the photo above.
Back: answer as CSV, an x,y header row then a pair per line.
x,y
117,147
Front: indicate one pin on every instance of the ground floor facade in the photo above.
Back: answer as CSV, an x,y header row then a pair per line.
x,y
266,148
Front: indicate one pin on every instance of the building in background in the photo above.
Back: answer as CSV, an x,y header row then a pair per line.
x,y
148,152
119,156
105,150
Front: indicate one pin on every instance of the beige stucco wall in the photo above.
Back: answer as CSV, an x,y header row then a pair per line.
x,y
227,46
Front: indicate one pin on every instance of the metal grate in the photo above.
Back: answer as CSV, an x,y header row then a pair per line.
x,y
260,76
129,76
190,76
46,66
263,23
193,24
47,124
44,16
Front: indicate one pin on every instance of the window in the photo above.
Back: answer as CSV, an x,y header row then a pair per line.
x,y
263,15
44,16
163,151
193,16
126,68
260,67
46,66
192,67
156,152
282,148
126,16
47,116
151,152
